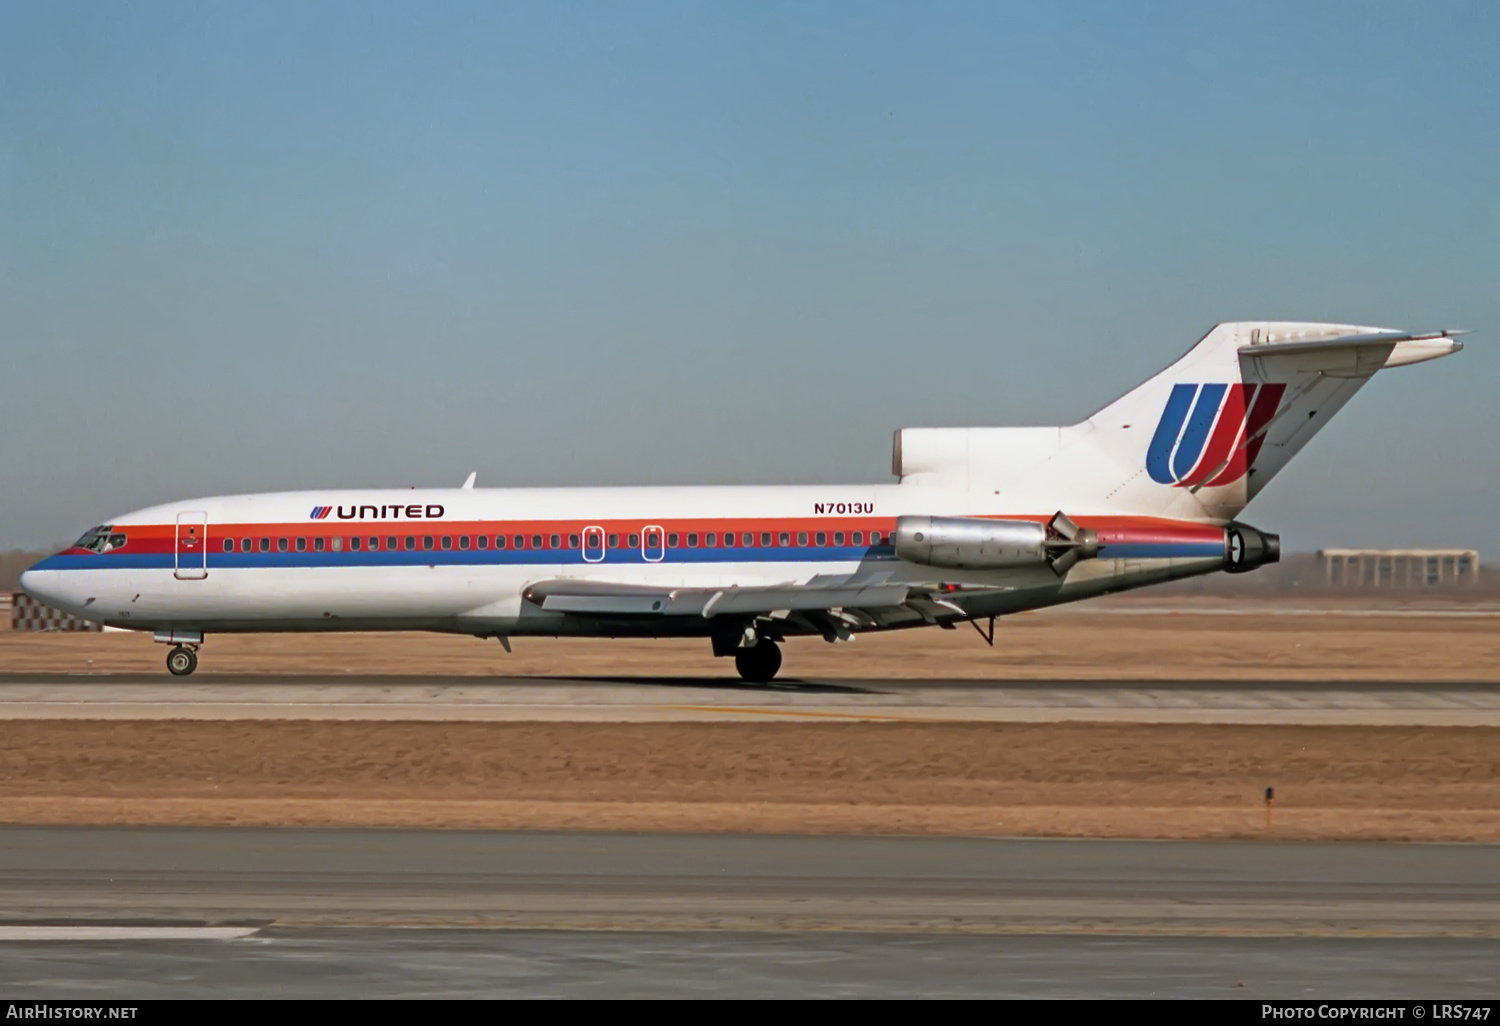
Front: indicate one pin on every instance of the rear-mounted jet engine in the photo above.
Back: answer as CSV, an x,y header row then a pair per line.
x,y
1245,548
969,543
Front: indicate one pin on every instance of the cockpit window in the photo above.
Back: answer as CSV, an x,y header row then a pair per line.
x,y
100,539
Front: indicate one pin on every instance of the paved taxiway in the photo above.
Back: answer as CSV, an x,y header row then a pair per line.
x,y
343,913
648,699
375,878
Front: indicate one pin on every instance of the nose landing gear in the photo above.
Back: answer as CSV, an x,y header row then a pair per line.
x,y
181,661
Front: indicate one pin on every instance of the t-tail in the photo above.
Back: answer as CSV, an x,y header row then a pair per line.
x,y
1197,441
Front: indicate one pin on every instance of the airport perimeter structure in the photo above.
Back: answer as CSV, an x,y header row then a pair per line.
x,y
1399,568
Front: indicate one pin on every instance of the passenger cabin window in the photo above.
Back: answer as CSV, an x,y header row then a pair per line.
x,y
390,543
859,537
874,537
822,538
747,539
301,544
729,538
245,545
354,543
463,541
265,545
765,539
693,540
711,539
318,544
447,541
228,544
281,545
671,541
801,537
499,541
411,542
374,545
786,538
555,542
635,541
336,544
614,541
427,542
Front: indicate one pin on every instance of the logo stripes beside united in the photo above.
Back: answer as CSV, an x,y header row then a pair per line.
x,y
1209,435
320,512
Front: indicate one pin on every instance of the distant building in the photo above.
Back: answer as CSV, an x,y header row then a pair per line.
x,y
1399,568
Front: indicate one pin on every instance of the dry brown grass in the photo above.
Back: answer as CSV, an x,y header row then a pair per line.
x,y
1135,780
1068,779
1055,646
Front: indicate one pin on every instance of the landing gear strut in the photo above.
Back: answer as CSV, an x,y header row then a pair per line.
x,y
759,663
181,661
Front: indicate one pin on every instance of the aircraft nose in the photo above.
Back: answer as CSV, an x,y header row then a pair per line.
x,y
31,582
41,585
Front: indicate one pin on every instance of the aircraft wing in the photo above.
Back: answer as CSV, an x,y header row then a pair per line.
x,y
599,598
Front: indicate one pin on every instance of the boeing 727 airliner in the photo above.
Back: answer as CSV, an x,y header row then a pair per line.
x,y
983,522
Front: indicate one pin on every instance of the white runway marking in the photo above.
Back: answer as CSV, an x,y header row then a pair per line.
x,y
1435,705
124,933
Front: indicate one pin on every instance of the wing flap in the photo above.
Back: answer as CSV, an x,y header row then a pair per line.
x,y
601,598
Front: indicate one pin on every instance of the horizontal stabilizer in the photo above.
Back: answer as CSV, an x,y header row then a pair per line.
x,y
1406,347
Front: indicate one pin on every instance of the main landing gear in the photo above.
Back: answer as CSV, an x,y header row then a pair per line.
x,y
758,663
181,661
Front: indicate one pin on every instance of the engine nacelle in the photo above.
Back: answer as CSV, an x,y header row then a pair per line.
x,y
971,543
1246,548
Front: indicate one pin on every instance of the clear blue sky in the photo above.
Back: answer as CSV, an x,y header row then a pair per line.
x,y
264,246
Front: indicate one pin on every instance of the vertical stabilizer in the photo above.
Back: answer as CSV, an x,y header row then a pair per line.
x,y
1208,433
1197,441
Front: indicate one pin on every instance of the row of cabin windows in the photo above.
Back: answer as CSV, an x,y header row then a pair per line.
x,y
409,543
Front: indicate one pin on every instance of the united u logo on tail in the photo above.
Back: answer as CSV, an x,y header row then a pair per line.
x,y
1209,435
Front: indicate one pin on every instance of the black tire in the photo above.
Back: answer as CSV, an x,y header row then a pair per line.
x,y
758,665
181,661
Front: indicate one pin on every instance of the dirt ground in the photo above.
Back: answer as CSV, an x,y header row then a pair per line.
x,y
1048,646
1053,779
1067,779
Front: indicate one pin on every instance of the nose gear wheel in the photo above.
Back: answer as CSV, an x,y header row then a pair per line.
x,y
181,661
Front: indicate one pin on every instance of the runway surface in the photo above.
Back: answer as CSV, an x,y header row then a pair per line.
x,y
371,913
373,878
657,699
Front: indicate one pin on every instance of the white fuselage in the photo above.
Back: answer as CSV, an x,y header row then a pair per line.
x,y
384,559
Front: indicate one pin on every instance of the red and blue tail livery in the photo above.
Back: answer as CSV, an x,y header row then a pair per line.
x,y
1209,435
